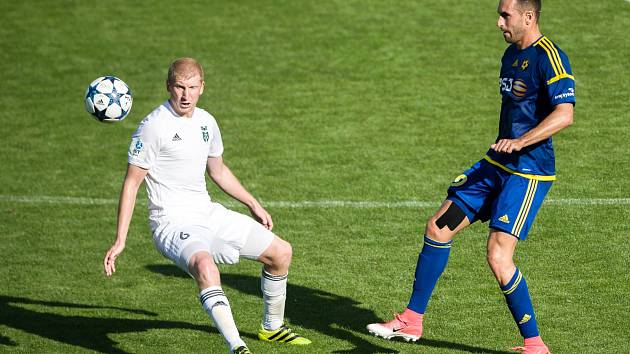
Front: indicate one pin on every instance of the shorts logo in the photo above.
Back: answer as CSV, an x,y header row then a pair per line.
x,y
459,180
183,236
504,219
204,133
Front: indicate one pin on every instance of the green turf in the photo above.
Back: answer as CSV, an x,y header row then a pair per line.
x,y
330,100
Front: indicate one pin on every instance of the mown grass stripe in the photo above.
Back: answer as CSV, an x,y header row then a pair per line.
x,y
351,204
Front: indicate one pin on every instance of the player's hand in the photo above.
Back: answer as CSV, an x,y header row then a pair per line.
x,y
507,146
109,263
262,216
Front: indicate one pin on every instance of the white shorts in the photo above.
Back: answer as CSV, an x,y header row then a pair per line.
x,y
226,235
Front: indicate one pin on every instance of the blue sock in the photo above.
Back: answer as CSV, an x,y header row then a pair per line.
x,y
431,263
520,304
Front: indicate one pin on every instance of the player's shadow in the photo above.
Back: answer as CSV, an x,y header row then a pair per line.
x,y
82,331
327,313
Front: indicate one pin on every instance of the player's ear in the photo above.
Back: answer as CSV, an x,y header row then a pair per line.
x,y
203,85
529,17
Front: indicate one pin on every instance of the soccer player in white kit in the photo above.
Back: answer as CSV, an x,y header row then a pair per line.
x,y
171,150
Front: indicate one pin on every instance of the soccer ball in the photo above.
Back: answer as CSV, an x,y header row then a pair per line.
x,y
108,99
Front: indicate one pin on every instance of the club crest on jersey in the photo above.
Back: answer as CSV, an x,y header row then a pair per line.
x,y
525,64
204,133
515,63
519,88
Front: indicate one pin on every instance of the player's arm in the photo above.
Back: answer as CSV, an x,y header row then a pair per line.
x,y
133,179
560,118
225,179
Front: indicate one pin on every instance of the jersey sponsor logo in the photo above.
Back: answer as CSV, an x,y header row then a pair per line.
x,y
515,63
570,93
176,137
525,318
204,133
505,84
519,88
504,219
525,64
459,180
137,147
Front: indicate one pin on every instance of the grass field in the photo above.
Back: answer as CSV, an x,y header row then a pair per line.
x,y
372,102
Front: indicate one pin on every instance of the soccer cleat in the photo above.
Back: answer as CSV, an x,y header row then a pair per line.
x,y
533,345
241,350
532,349
282,335
398,327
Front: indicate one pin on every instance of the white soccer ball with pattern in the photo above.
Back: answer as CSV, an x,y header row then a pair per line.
x,y
108,99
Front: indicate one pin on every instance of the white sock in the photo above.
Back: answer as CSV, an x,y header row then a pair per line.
x,y
274,289
217,307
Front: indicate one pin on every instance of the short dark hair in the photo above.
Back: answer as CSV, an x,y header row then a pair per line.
x,y
533,5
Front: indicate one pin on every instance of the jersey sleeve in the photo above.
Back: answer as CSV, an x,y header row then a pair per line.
x,y
557,76
216,143
145,145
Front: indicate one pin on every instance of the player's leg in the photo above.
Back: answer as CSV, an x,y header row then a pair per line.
x,y
439,232
432,260
251,240
276,259
213,300
188,246
501,248
467,201
512,217
273,282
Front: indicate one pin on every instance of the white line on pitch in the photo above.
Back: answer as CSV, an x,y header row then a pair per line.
x,y
303,203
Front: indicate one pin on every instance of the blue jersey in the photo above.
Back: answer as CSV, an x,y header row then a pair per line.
x,y
532,82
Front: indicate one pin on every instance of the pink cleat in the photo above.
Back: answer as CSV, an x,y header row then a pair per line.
x,y
533,345
407,325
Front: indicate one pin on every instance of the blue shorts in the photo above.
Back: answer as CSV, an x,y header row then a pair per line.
x,y
486,192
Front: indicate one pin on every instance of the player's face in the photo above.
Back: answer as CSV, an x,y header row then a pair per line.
x,y
511,21
185,92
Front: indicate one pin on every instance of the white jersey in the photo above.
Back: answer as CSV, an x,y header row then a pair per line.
x,y
175,151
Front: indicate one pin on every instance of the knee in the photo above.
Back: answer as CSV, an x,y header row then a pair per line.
x,y
435,233
202,267
431,229
281,254
498,260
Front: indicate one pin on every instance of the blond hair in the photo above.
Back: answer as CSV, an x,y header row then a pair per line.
x,y
183,68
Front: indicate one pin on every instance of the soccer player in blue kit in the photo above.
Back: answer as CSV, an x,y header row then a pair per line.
x,y
508,185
